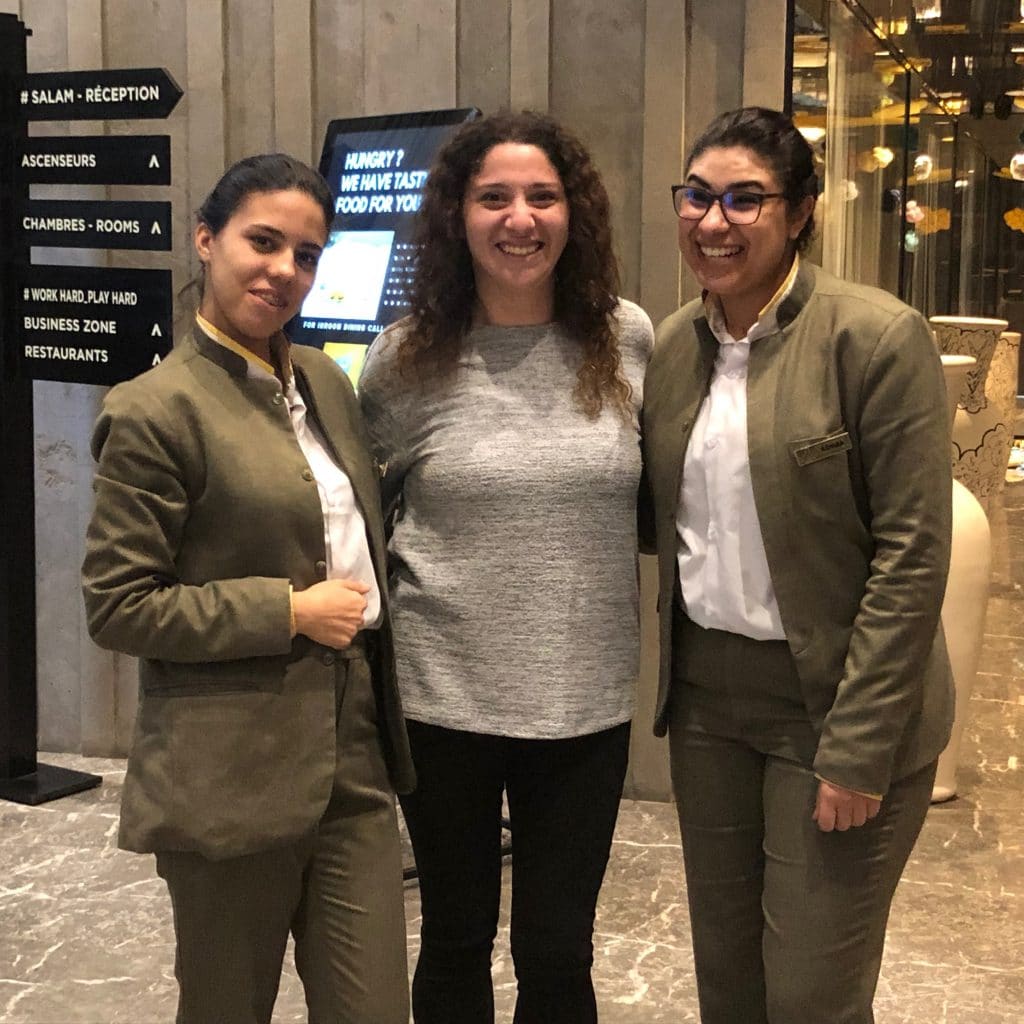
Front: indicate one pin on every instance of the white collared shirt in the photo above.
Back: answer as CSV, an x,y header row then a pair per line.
x,y
723,569
347,549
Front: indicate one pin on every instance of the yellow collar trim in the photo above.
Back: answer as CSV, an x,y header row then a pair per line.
x,y
713,307
783,288
217,335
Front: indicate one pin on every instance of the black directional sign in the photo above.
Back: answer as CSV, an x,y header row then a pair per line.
x,y
99,95
91,325
97,225
96,160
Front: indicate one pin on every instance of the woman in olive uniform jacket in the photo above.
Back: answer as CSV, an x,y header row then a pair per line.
x,y
797,455
237,549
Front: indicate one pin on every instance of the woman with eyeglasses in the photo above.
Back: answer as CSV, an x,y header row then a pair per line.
x,y
798,497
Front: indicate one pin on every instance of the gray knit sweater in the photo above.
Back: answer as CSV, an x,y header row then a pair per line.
x,y
513,555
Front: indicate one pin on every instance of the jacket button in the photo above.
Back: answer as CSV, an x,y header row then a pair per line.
x,y
321,569
307,474
329,658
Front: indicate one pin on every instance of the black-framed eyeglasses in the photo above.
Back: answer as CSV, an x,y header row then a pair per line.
x,y
693,203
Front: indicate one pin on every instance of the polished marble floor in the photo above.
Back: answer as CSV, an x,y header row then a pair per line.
x,y
85,934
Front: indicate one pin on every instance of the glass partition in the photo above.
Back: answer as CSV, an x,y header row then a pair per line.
x,y
915,197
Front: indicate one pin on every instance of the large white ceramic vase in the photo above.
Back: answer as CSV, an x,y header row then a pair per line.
x,y
981,434
1001,388
963,609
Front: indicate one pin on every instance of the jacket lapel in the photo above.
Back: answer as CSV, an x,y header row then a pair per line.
x,y
346,445
683,384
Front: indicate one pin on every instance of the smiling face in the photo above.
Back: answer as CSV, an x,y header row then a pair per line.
x,y
261,264
516,221
741,264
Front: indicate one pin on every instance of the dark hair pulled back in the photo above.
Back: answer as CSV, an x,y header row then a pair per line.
x,y
265,172
774,138
443,296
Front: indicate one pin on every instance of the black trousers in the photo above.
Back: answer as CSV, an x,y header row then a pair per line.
x,y
563,799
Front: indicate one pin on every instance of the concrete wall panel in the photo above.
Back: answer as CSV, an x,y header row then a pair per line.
x,y
530,54
293,79
597,86
483,55
339,62
410,55
249,78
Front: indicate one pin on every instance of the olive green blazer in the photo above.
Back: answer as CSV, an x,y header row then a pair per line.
x,y
850,462
206,511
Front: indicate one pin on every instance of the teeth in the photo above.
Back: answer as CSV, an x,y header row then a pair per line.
x,y
519,250
725,251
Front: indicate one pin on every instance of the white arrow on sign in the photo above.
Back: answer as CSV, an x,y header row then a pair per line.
x,y
156,359
156,332
153,162
156,229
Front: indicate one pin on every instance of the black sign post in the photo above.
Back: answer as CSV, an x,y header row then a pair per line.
x,y
96,160
102,95
22,777
93,325
88,224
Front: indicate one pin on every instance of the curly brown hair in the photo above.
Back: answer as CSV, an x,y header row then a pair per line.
x,y
443,295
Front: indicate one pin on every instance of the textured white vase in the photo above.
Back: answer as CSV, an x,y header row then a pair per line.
x,y
963,608
981,434
1001,389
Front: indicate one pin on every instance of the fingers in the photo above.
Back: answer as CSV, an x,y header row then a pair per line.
x,y
343,637
357,585
331,612
839,810
858,813
824,814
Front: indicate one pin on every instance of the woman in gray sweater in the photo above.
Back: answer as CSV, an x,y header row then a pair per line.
x,y
504,412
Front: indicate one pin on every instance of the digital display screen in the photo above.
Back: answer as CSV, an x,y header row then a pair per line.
x,y
376,168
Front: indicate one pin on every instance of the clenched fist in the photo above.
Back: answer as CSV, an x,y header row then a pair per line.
x,y
331,612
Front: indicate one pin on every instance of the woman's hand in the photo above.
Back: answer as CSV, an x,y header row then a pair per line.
x,y
331,612
840,809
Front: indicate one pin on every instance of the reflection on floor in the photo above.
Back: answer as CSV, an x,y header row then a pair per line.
x,y
85,930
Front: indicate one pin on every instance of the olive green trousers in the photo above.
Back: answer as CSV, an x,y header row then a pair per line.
x,y
339,893
788,922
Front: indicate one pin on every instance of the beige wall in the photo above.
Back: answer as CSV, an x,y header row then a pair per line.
x,y
635,78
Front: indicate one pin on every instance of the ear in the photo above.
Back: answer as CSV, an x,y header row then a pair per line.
x,y
202,238
798,216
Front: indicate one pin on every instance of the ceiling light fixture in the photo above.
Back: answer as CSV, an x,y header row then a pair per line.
x,y
812,133
883,155
1017,160
929,10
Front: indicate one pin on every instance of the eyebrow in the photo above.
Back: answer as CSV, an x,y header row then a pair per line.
x,y
505,184
270,230
733,186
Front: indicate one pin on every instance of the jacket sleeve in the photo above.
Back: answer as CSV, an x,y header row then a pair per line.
x,y
135,601
386,437
645,517
646,527
904,442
